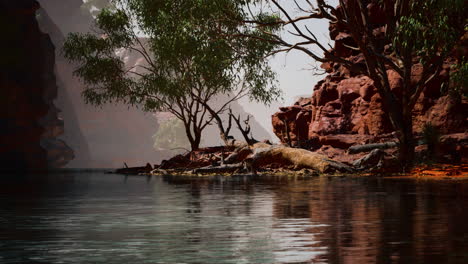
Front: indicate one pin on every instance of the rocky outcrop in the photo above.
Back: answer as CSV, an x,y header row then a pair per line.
x,y
350,106
59,153
345,108
29,122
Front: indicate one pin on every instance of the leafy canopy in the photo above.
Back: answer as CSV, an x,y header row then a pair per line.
x,y
431,27
183,44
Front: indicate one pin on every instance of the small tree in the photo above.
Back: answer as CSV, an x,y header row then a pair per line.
x,y
185,62
414,34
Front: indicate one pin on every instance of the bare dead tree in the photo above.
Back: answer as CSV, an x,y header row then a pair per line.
x,y
246,129
215,114
223,131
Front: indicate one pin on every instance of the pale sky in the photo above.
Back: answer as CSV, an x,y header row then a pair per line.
x,y
295,74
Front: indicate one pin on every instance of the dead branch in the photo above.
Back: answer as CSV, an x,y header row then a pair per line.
x,y
245,131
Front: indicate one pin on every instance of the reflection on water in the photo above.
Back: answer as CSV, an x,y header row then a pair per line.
x,y
100,218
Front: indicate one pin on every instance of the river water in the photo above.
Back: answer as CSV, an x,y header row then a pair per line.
x,y
100,218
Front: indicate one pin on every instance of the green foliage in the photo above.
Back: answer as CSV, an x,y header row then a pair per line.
x,y
430,28
187,45
459,79
171,136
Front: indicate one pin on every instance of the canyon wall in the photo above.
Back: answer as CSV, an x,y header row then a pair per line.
x,y
102,137
29,123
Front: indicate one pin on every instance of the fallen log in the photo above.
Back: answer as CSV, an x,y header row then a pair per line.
x,y
373,160
299,158
225,168
243,151
135,170
238,155
369,147
159,171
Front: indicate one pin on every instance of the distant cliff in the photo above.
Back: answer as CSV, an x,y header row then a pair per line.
x,y
29,122
106,136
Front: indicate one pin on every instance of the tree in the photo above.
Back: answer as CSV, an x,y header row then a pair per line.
x,y
186,65
413,35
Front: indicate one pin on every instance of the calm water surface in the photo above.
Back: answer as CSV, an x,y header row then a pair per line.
x,y
101,218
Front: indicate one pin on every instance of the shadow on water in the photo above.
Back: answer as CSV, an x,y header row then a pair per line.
x,y
27,200
96,217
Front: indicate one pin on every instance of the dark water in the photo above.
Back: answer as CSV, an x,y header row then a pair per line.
x,y
99,218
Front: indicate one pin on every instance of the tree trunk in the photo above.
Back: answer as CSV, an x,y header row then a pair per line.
x,y
195,142
223,132
194,145
288,135
406,149
194,138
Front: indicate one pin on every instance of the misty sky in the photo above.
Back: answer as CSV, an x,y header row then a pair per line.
x,y
295,74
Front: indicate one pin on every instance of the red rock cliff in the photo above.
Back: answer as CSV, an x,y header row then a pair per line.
x,y
345,108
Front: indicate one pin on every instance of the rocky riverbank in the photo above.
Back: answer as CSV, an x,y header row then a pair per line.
x,y
264,158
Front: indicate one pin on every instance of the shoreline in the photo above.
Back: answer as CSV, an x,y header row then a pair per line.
x,y
424,172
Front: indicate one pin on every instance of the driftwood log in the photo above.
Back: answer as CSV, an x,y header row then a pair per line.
x,y
299,158
369,147
135,170
160,171
238,155
373,160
